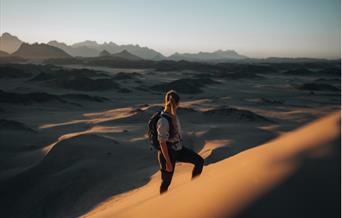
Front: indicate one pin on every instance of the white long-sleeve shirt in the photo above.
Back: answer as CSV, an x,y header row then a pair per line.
x,y
163,132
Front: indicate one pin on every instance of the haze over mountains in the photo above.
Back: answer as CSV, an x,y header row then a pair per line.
x,y
208,56
104,53
92,49
3,54
10,44
39,51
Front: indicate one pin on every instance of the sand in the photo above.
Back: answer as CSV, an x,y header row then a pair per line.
x,y
84,152
227,187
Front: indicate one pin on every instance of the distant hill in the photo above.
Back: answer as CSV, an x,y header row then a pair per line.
x,y
158,57
216,56
82,51
87,43
104,53
92,49
143,52
9,43
40,51
126,55
294,60
3,54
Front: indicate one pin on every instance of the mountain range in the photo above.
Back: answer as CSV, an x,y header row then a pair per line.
x,y
126,55
104,53
9,43
92,48
12,45
216,56
4,54
39,51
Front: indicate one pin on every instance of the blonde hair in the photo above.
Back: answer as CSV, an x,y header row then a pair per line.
x,y
170,101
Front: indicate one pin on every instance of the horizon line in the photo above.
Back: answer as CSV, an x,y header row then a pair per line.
x,y
171,53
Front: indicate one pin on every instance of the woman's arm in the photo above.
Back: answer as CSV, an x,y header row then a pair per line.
x,y
163,136
165,152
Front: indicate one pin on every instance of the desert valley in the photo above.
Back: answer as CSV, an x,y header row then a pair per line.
x,y
73,132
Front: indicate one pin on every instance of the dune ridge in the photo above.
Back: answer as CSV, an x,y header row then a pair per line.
x,y
88,151
229,186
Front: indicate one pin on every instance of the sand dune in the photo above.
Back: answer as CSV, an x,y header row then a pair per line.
x,y
186,85
228,187
318,87
28,98
10,71
84,97
14,125
235,114
43,97
127,76
74,168
58,73
89,155
213,115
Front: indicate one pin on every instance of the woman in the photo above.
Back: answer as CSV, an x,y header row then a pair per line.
x,y
170,140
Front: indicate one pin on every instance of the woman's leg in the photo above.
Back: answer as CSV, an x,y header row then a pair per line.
x,y
165,176
189,156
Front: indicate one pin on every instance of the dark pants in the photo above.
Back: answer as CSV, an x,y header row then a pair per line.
x,y
184,155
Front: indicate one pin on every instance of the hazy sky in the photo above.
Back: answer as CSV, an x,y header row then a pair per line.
x,y
256,28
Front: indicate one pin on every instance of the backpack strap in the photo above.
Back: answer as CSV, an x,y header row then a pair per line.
x,y
171,126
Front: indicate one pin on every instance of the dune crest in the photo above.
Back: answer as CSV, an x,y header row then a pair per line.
x,y
227,187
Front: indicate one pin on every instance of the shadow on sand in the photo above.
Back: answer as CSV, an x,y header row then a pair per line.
x,y
314,190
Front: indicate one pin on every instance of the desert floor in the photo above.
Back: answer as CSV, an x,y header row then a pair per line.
x,y
72,143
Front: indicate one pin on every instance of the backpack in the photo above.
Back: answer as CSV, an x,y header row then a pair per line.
x,y
152,129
